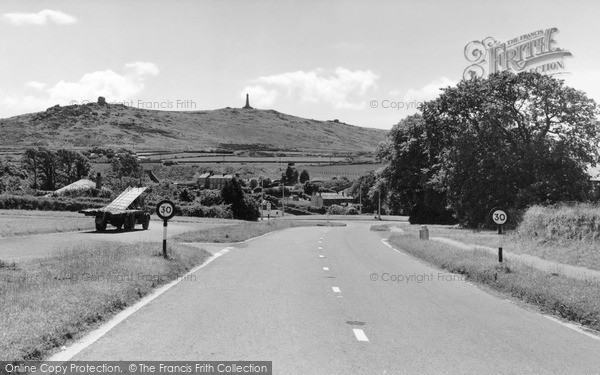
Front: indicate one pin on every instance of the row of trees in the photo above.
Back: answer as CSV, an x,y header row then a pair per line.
x,y
292,176
54,168
507,140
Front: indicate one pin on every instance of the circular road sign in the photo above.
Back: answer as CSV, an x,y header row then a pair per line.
x,y
165,210
499,216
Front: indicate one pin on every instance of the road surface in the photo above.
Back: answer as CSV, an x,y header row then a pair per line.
x,y
321,300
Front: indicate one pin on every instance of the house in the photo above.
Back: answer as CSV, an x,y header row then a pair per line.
x,y
202,180
319,200
219,181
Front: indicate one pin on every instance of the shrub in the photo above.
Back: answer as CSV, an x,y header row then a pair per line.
x,y
580,222
222,211
28,202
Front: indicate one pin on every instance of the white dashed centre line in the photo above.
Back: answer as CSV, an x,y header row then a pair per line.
x,y
320,247
325,268
336,289
321,256
360,335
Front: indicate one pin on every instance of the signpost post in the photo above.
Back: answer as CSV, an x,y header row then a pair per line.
x,y
268,210
165,210
500,217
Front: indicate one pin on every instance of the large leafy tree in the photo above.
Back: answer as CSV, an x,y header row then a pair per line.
x,y
510,140
413,150
243,206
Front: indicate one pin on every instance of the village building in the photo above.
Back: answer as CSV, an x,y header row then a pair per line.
x,y
319,200
219,181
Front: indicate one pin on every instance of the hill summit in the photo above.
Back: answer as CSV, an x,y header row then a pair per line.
x,y
117,125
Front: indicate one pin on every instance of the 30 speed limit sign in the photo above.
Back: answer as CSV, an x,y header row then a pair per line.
x,y
165,210
499,216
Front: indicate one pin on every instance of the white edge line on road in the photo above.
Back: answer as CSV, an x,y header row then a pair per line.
x,y
93,336
336,289
325,268
572,326
360,334
386,243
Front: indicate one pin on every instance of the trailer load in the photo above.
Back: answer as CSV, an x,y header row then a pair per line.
x,y
127,210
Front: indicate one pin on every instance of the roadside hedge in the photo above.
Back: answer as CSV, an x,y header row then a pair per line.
x,y
222,211
30,202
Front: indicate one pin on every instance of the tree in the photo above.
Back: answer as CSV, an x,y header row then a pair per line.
x,y
243,206
71,166
412,150
11,176
126,165
360,189
30,162
507,140
291,175
304,176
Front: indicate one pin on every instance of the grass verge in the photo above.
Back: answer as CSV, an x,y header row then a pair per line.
x,y
380,228
246,230
47,302
572,299
582,253
19,222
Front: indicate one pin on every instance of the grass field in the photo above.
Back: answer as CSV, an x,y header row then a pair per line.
x,y
22,222
47,302
244,231
576,300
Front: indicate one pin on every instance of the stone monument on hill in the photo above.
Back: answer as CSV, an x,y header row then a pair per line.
x,y
247,106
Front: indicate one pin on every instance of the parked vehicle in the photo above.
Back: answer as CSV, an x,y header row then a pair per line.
x,y
127,210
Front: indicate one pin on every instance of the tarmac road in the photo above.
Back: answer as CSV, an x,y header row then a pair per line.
x,y
319,300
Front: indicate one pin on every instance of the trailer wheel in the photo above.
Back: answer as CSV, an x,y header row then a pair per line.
x,y
129,222
101,227
146,222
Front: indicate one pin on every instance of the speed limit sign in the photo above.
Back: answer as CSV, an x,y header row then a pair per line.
x,y
499,216
165,210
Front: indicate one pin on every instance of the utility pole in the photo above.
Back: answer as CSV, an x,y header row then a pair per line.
x,y
379,204
360,198
282,197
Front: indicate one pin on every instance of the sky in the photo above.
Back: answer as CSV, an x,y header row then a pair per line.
x,y
365,63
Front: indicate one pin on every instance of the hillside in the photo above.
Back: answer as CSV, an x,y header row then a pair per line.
x,y
116,125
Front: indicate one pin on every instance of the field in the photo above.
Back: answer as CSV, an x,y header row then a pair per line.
x,y
185,172
21,222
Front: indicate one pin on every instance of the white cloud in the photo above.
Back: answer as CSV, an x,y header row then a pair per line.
x,y
344,89
113,86
142,68
429,91
40,18
36,85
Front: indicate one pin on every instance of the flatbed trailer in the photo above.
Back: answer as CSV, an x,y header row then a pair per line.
x,y
120,214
